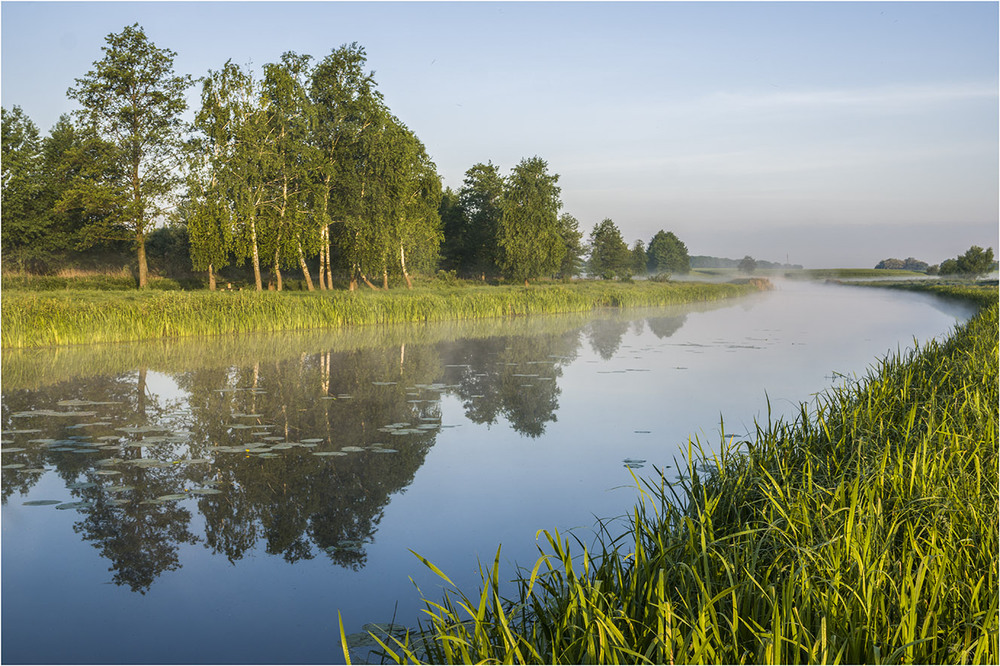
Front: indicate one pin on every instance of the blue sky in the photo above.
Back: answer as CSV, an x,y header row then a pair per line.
x,y
833,134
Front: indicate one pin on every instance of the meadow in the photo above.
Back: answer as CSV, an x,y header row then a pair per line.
x,y
40,318
865,531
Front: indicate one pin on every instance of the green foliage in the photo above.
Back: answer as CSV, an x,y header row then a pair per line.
x,y
667,254
528,235
748,265
863,532
973,263
36,234
572,239
909,264
609,255
169,250
132,104
479,202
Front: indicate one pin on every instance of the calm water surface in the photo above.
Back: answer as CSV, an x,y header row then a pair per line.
x,y
219,500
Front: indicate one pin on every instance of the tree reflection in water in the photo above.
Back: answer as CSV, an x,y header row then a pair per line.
x,y
297,455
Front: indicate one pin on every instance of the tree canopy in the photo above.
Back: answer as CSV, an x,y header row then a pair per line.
x,y
667,254
973,263
609,255
132,101
528,235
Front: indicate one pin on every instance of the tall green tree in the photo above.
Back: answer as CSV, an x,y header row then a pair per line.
x,y
417,223
638,262
667,254
609,255
230,170
453,225
345,101
480,200
133,101
572,239
528,235
26,224
290,231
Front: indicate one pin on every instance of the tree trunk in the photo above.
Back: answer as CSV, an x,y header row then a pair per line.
x,y
402,263
329,267
385,278
211,278
256,255
305,268
322,260
140,240
353,285
277,268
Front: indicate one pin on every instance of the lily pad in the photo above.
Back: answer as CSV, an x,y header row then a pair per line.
x,y
107,472
205,491
12,449
41,502
171,497
329,453
75,505
13,466
80,485
351,449
119,489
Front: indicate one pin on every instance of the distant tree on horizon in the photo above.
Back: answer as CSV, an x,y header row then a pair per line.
x,y
973,263
748,265
909,264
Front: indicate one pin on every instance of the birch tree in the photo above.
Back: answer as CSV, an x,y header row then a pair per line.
x,y
344,99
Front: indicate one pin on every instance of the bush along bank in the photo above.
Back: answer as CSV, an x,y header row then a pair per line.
x,y
863,532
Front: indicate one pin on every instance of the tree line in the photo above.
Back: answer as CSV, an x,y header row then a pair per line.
x,y
302,169
975,261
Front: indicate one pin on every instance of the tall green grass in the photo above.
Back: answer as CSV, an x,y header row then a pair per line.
x,y
36,319
863,532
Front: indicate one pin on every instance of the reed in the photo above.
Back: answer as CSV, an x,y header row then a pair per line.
x,y
39,319
863,531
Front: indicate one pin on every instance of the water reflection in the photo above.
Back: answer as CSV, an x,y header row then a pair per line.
x,y
294,452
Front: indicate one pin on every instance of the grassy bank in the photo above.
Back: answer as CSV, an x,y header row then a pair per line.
x,y
38,319
864,532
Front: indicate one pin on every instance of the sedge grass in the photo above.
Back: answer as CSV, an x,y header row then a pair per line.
x,y
865,531
38,319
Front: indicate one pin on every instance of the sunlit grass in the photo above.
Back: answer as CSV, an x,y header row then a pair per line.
x,y
863,532
35,319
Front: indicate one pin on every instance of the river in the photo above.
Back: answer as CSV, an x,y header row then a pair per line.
x,y
220,500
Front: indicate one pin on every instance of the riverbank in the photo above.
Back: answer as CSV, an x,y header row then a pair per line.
x,y
41,319
864,532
